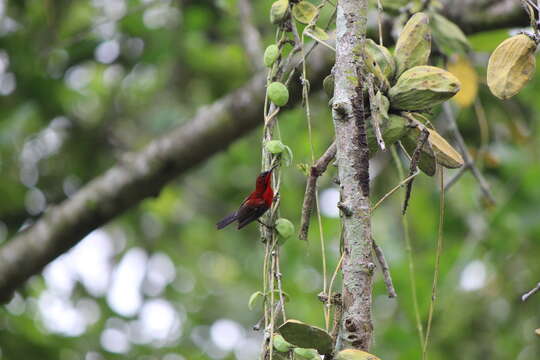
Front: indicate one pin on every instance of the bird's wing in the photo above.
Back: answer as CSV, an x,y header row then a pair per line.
x,y
246,215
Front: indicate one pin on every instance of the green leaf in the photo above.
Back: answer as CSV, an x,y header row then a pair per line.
x,y
306,336
275,146
306,354
253,298
305,12
284,227
270,55
278,93
280,344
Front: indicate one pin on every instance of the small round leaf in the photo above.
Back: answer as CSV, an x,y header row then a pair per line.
x,y
270,55
304,12
278,93
280,344
284,227
306,354
275,146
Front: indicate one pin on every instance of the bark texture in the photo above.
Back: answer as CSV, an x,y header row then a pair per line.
x,y
356,327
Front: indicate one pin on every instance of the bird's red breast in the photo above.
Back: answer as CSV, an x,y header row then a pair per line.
x,y
268,195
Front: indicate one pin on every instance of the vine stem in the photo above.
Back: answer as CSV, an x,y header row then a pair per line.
x,y
408,250
437,262
305,97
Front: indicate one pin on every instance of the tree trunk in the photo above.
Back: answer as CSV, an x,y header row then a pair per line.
x,y
356,327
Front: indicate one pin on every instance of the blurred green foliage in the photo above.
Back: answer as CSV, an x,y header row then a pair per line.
x,y
83,82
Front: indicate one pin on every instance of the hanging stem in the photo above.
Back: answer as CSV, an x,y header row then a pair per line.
x,y
437,262
410,258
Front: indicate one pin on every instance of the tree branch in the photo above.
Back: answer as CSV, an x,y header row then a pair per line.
x,y
531,292
250,35
356,327
481,15
311,189
469,161
385,269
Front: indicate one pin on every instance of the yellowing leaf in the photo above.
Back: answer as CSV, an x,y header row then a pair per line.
x,y
353,354
465,72
304,12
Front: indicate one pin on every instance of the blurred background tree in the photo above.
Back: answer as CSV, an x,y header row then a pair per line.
x,y
83,84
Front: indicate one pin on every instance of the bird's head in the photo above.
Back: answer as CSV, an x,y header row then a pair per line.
x,y
264,178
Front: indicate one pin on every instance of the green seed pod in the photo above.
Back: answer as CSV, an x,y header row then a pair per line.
x,y
278,11
392,129
423,87
307,354
382,56
270,55
278,93
275,146
328,85
414,43
284,227
511,66
448,37
280,344
353,354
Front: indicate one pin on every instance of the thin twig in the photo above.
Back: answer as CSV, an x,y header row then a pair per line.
x,y
437,262
396,188
338,266
422,139
310,49
456,177
259,323
250,35
385,269
379,21
408,250
317,170
483,125
278,276
469,162
531,292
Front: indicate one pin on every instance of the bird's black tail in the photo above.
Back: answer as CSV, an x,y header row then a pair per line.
x,y
227,220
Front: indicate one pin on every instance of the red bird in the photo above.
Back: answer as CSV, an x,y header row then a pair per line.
x,y
255,205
